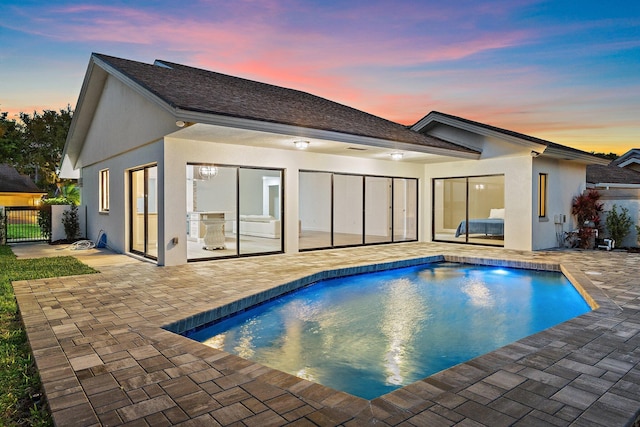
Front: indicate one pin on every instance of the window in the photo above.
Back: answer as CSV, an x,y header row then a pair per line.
x,y
104,190
542,195
469,210
338,210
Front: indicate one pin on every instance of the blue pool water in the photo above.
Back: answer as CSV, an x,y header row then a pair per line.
x,y
372,333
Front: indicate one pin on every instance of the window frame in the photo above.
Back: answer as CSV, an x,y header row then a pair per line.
x,y
543,182
103,178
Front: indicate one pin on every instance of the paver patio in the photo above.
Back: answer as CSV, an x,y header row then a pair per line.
x,y
105,360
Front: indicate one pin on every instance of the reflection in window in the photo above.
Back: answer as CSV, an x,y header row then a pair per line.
x,y
469,209
233,211
315,210
346,210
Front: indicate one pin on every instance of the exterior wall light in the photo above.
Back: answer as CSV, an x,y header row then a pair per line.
x,y
397,156
301,145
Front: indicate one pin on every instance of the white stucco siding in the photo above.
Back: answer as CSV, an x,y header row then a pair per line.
x,y
565,180
180,152
517,203
115,222
123,120
490,147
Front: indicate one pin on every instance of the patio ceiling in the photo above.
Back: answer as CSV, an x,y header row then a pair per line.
x,y
322,143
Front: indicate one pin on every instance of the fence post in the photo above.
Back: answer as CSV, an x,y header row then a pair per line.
x,y
3,227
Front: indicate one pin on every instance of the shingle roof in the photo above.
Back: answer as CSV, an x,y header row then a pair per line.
x,y
634,153
12,182
203,91
611,174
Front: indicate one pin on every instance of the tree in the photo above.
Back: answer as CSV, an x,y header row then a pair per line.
x,y
10,141
43,139
610,156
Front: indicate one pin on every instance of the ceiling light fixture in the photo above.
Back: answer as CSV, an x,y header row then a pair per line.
x,y
301,145
207,172
396,156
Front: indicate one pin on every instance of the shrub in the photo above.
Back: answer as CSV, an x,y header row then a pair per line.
x,y
618,224
71,223
587,209
44,216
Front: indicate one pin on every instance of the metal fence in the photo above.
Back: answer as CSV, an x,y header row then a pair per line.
x,y
26,224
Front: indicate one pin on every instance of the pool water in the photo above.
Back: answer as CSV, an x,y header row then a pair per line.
x,y
372,333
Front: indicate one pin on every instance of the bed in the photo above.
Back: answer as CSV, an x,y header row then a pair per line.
x,y
492,226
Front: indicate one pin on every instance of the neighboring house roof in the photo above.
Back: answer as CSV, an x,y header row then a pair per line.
x,y
11,181
611,174
187,89
630,158
552,148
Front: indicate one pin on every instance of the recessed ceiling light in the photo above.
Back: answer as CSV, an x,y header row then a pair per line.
x,y
397,156
301,145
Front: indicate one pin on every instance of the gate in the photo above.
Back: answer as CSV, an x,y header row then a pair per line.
x,y
23,224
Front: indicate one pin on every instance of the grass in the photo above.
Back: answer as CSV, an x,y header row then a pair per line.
x,y
23,231
21,401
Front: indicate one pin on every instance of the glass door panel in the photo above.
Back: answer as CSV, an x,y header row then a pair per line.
x,y
314,210
260,207
449,209
211,211
486,210
138,212
347,210
377,217
405,209
144,211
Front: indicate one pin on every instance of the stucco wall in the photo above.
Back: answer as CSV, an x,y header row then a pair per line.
x,y
115,223
123,121
518,187
565,180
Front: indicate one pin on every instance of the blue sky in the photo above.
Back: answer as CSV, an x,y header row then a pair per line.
x,y
564,71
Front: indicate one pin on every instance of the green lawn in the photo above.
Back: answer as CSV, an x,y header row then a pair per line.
x,y
23,231
21,403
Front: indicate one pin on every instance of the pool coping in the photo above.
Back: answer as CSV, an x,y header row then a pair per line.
x,y
601,306
189,324
99,335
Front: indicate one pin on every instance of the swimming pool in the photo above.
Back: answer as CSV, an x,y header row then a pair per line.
x,y
372,333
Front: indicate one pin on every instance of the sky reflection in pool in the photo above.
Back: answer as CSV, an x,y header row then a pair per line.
x,y
372,333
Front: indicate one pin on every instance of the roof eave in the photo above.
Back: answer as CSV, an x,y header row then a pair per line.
x,y
470,127
305,132
578,157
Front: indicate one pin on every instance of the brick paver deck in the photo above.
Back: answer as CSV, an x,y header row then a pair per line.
x,y
105,360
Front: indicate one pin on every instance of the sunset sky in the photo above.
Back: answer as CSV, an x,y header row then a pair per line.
x,y
566,71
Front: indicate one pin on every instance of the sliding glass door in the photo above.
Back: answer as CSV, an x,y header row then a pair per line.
x,y
338,210
469,210
233,211
144,211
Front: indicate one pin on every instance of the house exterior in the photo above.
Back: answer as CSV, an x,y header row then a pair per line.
x,y
181,164
618,183
17,189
